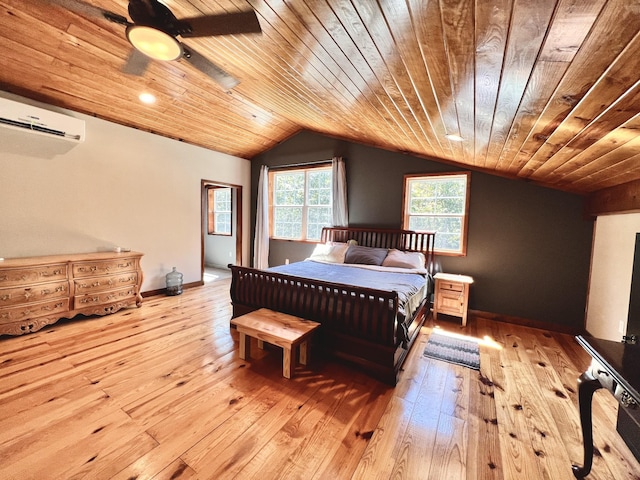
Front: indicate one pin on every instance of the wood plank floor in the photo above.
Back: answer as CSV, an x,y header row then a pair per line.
x,y
160,392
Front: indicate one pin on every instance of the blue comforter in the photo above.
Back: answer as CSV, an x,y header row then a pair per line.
x,y
405,284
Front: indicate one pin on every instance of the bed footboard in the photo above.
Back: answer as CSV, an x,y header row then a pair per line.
x,y
366,313
358,324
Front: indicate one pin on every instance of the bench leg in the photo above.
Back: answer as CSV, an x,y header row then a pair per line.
x,y
261,344
304,353
288,364
245,346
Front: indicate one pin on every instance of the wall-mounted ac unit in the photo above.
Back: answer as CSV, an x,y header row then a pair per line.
x,y
34,131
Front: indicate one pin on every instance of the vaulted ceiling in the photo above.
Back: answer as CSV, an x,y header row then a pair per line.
x,y
543,90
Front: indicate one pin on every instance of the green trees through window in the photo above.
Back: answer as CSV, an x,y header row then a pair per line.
x,y
438,203
300,203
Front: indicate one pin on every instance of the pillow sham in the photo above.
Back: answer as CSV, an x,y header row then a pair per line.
x,y
398,258
329,252
365,255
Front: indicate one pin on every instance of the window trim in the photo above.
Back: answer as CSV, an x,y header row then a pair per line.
x,y
211,210
465,221
293,168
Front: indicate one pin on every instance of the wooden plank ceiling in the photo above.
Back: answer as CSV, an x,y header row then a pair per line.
x,y
543,90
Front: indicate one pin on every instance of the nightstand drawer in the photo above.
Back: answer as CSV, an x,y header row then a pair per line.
x,y
452,286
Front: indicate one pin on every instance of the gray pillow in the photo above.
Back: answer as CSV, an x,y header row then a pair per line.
x,y
365,255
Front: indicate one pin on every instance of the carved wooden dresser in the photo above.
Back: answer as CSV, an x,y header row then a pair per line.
x,y
38,291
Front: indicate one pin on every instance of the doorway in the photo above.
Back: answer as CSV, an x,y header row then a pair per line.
x,y
221,243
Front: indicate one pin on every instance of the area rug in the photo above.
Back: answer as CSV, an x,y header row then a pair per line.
x,y
453,350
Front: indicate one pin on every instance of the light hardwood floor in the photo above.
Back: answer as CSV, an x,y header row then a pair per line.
x,y
161,393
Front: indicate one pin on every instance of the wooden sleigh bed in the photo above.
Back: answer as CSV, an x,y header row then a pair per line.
x,y
368,327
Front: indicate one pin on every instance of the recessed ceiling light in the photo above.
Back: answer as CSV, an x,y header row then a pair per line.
x,y
454,138
148,98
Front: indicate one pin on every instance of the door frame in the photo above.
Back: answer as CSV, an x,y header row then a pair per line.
x,y
203,218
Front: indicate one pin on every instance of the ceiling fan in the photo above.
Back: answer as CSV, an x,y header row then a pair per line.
x,y
154,32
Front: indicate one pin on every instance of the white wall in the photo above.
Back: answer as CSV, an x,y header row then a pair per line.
x,y
121,187
611,273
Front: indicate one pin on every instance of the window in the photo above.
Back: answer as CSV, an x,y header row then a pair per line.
x,y
438,203
219,206
300,202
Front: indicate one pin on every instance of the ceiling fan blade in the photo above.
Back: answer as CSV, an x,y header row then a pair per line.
x,y
153,13
208,68
88,10
221,24
137,63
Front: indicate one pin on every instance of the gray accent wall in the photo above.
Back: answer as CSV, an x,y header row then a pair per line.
x,y
528,246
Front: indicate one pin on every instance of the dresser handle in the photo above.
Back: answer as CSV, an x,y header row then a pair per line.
x,y
54,272
627,400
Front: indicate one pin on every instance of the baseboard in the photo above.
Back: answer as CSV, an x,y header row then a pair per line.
x,y
525,322
163,291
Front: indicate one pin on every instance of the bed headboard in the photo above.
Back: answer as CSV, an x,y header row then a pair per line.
x,y
407,240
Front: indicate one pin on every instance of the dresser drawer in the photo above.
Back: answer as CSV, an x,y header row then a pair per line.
x,y
33,293
39,274
102,284
102,298
104,267
33,310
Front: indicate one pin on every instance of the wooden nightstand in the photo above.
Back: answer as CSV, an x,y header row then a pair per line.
x,y
452,295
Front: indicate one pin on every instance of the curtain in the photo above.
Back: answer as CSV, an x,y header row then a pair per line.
x,y
261,238
340,209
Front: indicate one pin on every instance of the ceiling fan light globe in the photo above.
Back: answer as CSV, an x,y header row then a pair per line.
x,y
154,43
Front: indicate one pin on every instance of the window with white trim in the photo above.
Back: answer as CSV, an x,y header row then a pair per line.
x,y
438,203
300,202
219,210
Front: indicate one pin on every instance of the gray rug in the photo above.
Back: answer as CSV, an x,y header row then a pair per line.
x,y
453,350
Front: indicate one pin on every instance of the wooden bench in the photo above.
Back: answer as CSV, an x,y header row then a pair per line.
x,y
286,331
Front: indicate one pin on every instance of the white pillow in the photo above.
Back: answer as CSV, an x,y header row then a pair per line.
x,y
329,252
398,258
